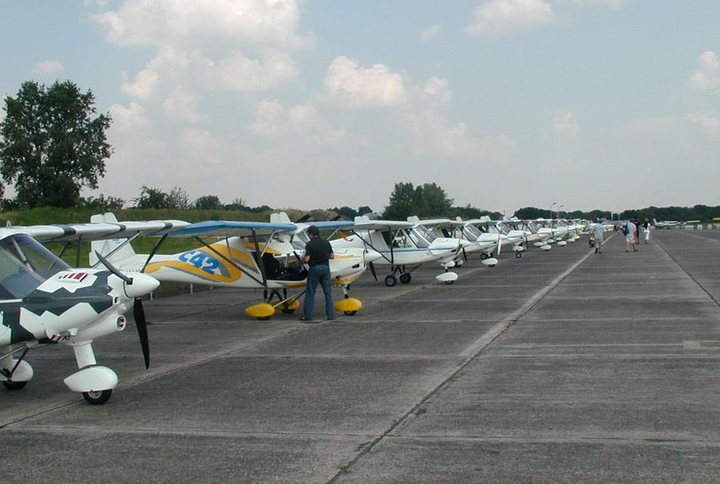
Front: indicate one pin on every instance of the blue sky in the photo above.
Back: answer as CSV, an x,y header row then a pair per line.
x,y
609,104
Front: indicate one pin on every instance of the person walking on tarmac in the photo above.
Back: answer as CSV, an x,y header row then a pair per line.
x,y
318,253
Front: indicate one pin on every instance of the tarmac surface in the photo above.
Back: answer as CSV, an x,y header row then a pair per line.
x,y
560,367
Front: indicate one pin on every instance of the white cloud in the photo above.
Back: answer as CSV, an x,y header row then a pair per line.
x,y
710,124
237,72
350,85
430,33
132,118
182,107
205,46
187,23
143,86
437,91
504,17
49,67
200,147
272,119
429,133
707,77
565,124
301,123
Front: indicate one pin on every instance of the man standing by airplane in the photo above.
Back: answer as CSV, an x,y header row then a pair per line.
x,y
318,253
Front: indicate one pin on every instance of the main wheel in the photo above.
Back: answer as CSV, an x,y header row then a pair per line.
x,y
350,313
14,385
518,255
287,310
405,278
390,280
97,398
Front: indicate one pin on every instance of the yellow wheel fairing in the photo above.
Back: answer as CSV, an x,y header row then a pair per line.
x,y
348,304
261,311
208,265
292,304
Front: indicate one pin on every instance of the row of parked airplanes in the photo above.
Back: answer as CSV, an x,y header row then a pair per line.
x,y
43,300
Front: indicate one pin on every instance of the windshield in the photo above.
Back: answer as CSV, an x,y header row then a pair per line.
x,y
421,236
501,229
471,232
24,265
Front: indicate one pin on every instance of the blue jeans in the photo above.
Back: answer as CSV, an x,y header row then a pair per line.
x,y
318,274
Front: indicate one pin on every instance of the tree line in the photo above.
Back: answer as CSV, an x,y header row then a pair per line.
x,y
53,144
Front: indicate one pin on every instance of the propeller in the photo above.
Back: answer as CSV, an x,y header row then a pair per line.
x,y
138,310
372,270
109,266
141,324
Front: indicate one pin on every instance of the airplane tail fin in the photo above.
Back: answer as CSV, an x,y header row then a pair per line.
x,y
279,218
117,251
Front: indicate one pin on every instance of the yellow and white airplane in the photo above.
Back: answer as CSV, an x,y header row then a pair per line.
x,y
244,255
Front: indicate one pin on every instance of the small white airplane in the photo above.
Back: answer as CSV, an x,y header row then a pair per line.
x,y
403,246
487,244
530,234
670,224
43,300
244,255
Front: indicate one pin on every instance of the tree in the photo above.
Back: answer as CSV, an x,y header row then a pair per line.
x,y
428,200
236,204
208,202
179,199
52,144
152,198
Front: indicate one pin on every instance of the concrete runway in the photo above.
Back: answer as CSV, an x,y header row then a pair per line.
x,y
561,367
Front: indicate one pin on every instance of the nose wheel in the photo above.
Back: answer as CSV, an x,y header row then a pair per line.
x,y
14,385
97,398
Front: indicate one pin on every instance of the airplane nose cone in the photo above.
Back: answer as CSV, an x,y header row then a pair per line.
x,y
372,256
141,285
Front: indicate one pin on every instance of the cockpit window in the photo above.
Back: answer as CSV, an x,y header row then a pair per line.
x,y
24,265
418,238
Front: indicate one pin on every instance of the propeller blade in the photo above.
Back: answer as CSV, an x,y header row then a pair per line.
x,y
372,270
141,324
109,266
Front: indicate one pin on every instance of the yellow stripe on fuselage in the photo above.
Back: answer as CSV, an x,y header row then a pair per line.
x,y
207,265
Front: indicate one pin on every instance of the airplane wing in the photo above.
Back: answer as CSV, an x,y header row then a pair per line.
x,y
221,228
439,222
330,224
97,231
381,225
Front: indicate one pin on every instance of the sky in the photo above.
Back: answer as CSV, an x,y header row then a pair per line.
x,y
556,104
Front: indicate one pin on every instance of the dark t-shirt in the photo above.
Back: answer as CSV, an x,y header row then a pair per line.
x,y
319,251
